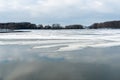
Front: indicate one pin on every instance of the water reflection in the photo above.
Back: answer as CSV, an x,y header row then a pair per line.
x,y
22,62
57,71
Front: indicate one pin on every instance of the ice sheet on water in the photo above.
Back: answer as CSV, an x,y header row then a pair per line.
x,y
72,39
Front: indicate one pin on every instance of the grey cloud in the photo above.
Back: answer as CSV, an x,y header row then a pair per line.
x,y
59,11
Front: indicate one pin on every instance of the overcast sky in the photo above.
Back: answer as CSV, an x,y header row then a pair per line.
x,y
59,11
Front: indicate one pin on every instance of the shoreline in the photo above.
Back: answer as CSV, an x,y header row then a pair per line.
x,y
14,31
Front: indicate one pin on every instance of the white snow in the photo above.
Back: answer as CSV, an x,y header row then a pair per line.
x,y
69,39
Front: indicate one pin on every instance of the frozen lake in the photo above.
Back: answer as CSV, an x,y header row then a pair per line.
x,y
60,55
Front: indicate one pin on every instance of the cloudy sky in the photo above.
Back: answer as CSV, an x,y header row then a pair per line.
x,y
59,11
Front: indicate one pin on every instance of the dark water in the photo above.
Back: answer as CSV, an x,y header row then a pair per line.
x,y
21,62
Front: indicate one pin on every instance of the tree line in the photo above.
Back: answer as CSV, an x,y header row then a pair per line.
x,y
28,25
